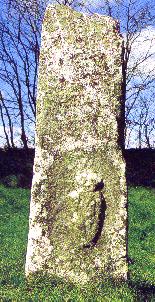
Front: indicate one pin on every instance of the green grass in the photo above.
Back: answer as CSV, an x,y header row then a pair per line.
x,y
14,204
141,240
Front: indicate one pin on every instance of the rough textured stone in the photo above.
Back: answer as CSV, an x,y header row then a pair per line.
x,y
77,231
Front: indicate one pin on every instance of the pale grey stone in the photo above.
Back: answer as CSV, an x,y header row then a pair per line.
x,y
72,233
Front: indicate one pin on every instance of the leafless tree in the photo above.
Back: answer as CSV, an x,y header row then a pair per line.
x,y
20,28
136,19
5,116
20,31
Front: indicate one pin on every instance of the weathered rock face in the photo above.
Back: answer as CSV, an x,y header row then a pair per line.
x,y
78,205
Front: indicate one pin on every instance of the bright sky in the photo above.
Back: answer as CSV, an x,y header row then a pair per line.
x,y
145,43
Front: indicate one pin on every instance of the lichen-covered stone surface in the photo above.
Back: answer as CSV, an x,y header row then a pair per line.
x,y
78,206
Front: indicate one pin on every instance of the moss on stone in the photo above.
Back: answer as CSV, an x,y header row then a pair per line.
x,y
76,146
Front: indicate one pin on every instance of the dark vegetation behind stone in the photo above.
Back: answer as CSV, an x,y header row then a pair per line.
x,y
16,167
140,166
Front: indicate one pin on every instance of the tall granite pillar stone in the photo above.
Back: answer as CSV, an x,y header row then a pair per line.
x,y
78,206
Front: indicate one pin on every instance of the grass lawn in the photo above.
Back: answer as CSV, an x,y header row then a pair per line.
x,y
14,204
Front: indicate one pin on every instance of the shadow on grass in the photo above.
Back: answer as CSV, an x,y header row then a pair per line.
x,y
144,291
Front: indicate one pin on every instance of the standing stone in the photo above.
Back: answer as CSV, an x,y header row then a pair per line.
x,y
78,207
